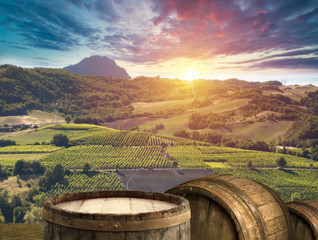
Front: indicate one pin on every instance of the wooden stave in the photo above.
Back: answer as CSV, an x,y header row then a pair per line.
x,y
306,210
195,186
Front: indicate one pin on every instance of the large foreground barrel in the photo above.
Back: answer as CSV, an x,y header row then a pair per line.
x,y
116,215
225,207
304,215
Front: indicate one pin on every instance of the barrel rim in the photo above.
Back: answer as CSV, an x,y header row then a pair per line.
x,y
117,222
308,209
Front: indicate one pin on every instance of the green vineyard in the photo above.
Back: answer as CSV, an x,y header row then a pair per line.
x,y
114,138
287,183
109,157
78,182
196,157
28,149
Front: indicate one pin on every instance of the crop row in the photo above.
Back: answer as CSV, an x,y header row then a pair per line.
x,y
114,138
235,157
106,157
183,150
75,127
190,161
79,182
29,149
158,140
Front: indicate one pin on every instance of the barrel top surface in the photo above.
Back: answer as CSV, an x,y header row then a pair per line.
x,y
116,210
116,205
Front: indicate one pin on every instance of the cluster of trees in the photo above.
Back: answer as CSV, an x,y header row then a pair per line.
x,y
288,108
96,99
210,120
311,152
27,208
219,139
4,172
60,140
311,101
18,209
22,167
51,177
5,142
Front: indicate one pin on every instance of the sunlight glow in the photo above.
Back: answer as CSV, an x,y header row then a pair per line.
x,y
190,75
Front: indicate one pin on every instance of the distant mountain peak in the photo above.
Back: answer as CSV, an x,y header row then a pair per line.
x,y
98,66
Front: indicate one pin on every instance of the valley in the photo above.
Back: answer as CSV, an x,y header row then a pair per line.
x,y
151,134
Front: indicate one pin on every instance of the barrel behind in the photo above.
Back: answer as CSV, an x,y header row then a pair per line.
x,y
116,215
304,215
225,207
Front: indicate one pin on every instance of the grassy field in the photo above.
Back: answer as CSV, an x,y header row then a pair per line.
x,y
264,131
21,231
13,185
174,124
30,136
144,107
10,159
35,117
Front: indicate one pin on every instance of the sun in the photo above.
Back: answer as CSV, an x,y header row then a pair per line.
x,y
190,75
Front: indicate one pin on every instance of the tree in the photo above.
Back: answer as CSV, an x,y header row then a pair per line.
x,y
58,172
19,167
175,164
37,167
182,133
249,164
281,162
68,119
31,193
60,140
5,207
3,172
18,214
86,168
16,200
33,216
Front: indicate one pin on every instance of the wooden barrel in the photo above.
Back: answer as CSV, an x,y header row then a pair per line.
x,y
116,215
225,207
304,216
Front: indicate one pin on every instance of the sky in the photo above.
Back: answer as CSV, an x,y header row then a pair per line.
x,y
254,40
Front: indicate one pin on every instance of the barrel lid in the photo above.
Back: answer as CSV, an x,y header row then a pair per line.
x,y
116,210
116,205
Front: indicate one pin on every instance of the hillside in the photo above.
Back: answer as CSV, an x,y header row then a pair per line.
x,y
98,66
231,108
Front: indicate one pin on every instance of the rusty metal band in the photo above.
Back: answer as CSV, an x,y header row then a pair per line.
x,y
116,226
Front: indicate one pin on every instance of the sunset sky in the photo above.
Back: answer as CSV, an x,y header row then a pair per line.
x,y
216,39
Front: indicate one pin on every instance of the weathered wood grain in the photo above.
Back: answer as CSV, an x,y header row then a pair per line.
x,y
225,207
304,215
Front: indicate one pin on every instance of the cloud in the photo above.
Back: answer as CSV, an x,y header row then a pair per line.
x,y
291,63
155,31
45,26
313,51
